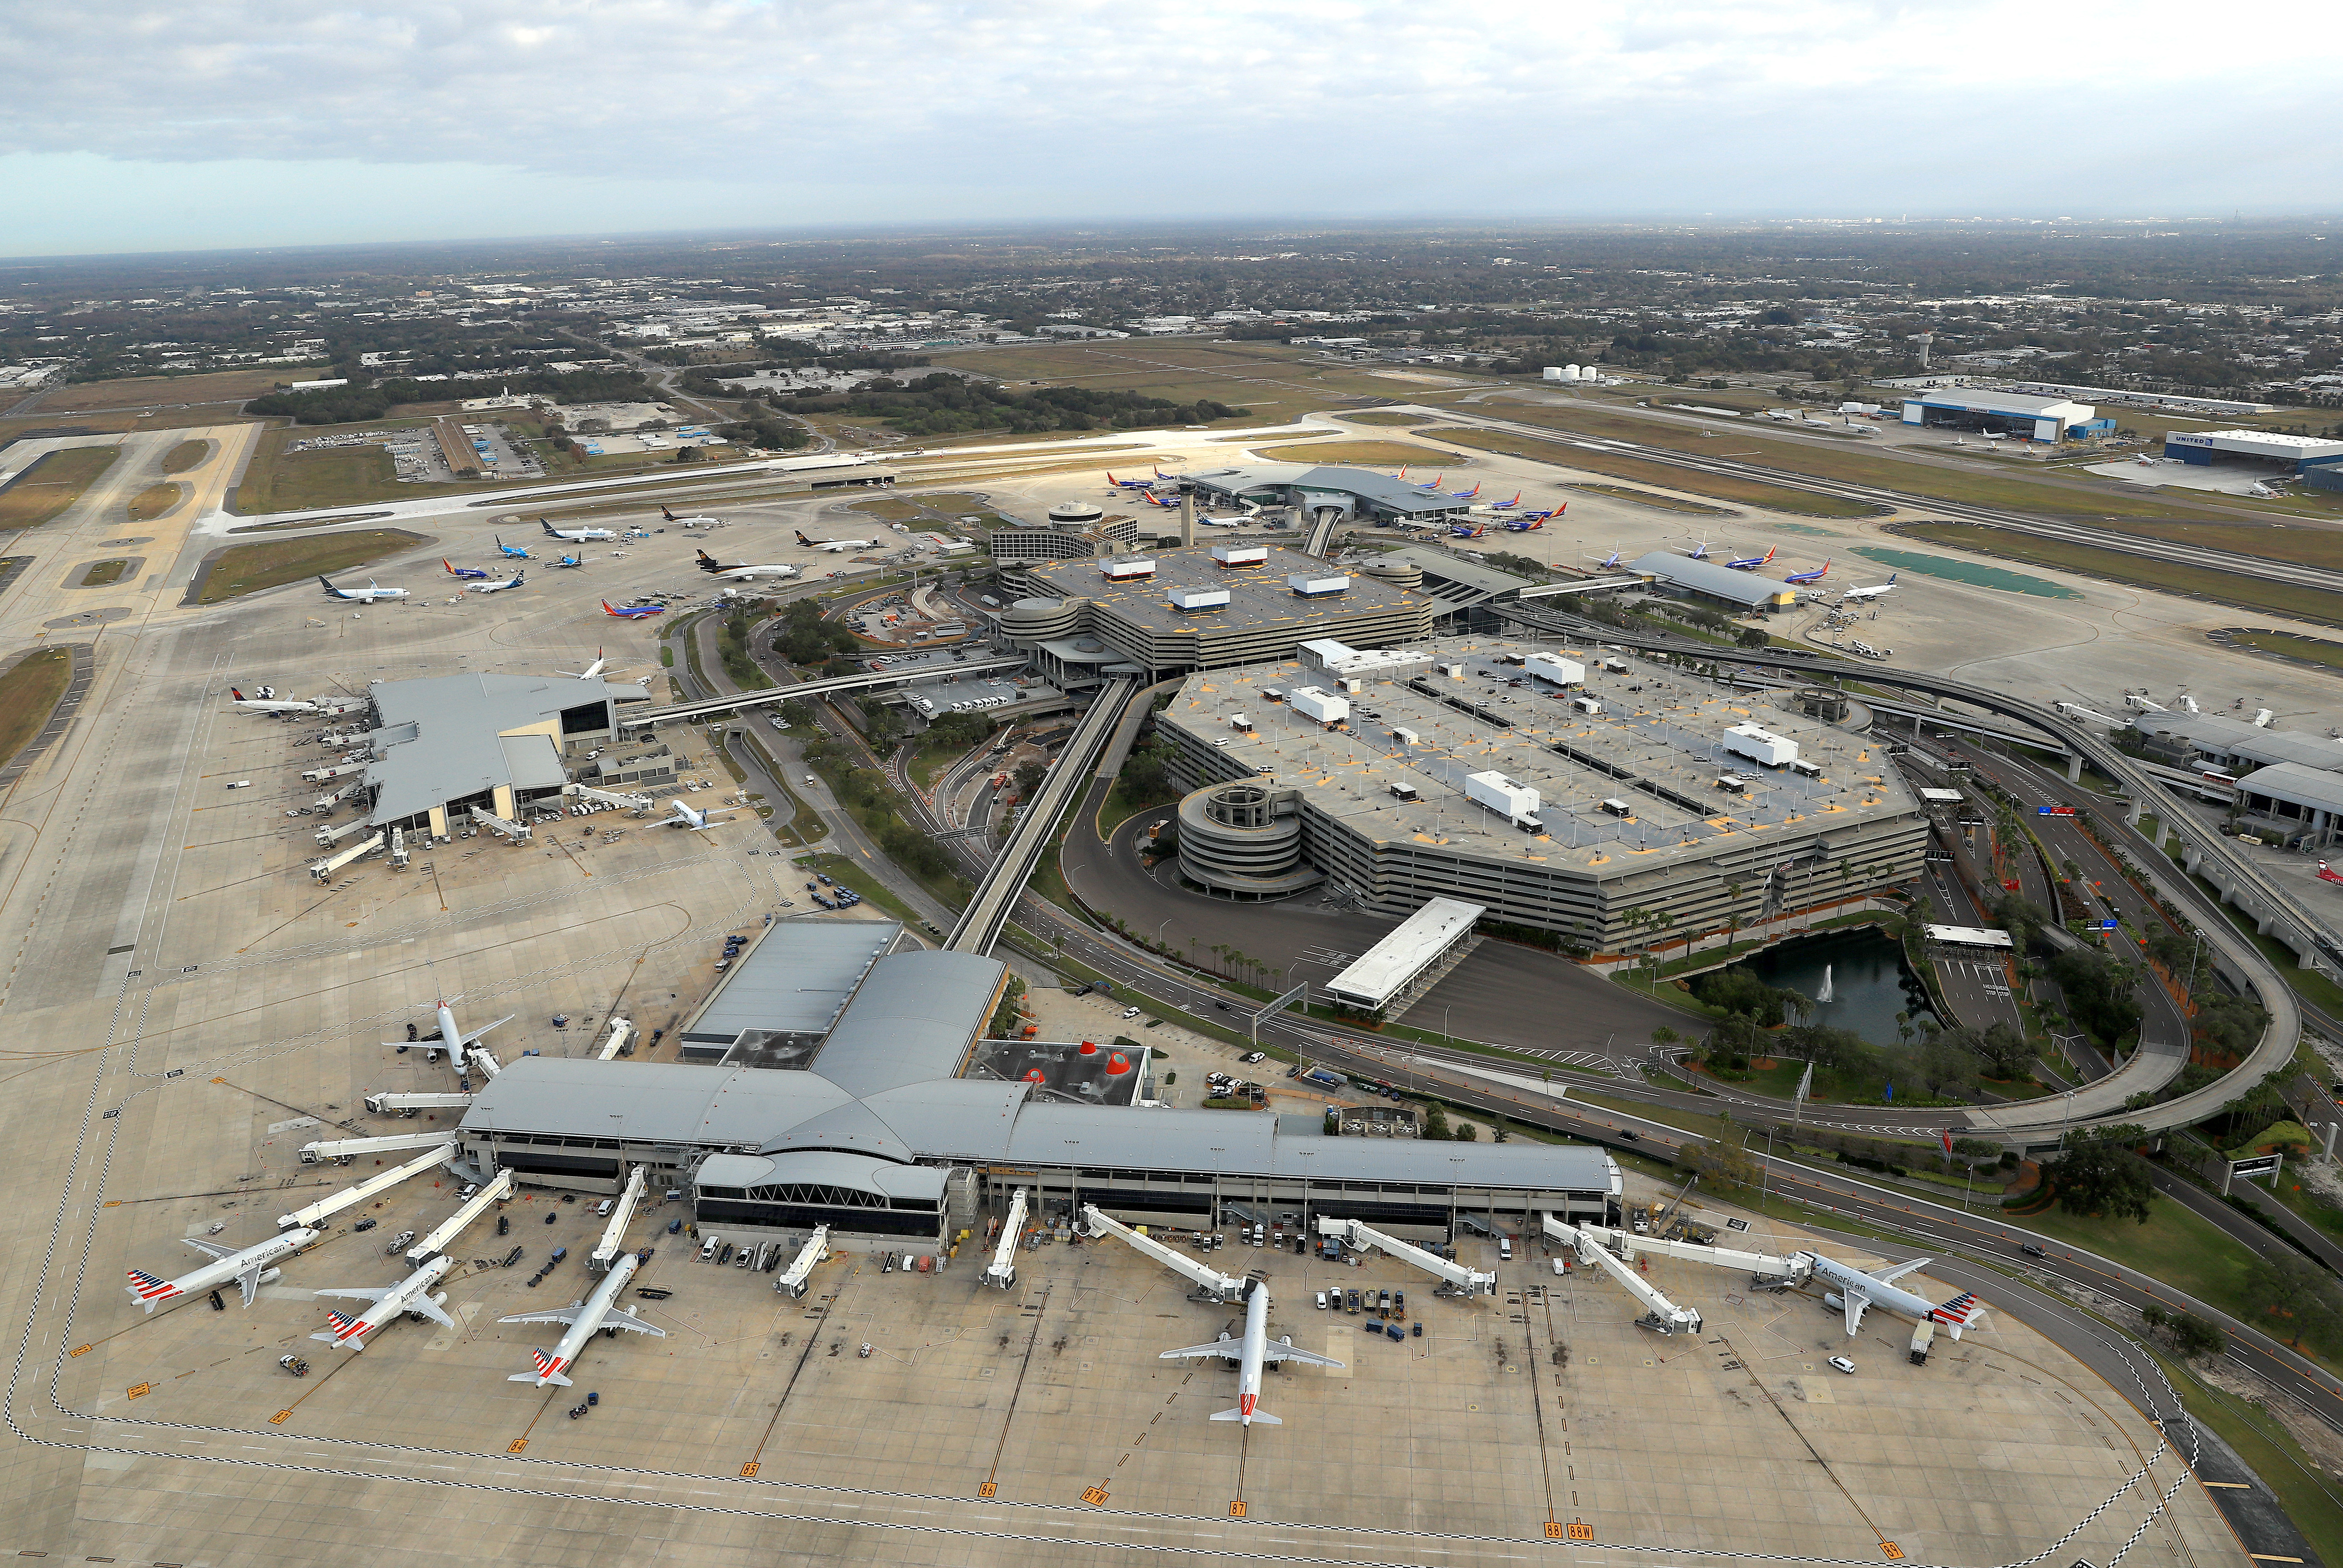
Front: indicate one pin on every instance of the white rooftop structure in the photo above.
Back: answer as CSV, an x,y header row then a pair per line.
x,y
1966,935
1393,964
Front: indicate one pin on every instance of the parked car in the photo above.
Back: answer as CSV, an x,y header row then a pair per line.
x,y
1843,1364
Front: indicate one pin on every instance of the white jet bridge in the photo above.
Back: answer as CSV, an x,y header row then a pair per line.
x,y
1001,1272
614,1234
1209,1281
1761,1266
637,804
329,836
511,832
323,869
1661,1314
480,1057
621,1031
327,802
318,1212
1456,1279
792,1282
408,1104
344,1149
447,1230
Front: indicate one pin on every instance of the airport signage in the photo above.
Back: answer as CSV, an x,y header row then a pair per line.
x,y
2260,1165
1736,1224
2053,811
2107,925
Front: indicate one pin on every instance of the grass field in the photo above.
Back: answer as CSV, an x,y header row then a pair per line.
x,y
186,456
54,482
1383,416
1647,498
1270,380
243,569
29,694
2065,494
1722,487
156,391
1367,454
2311,649
155,500
101,573
2134,571
2289,542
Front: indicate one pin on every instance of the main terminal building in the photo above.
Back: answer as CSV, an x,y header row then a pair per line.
x,y
1608,800
836,1079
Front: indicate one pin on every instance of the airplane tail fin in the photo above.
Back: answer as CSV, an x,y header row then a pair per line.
x,y
239,696
324,582
1769,556
146,1288
668,514
547,527
1260,1417
1962,1312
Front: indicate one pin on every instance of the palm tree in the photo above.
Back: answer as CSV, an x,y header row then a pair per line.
x,y
1732,892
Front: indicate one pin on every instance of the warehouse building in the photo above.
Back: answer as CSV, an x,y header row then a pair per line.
x,y
1710,583
444,745
1984,409
901,1119
1567,799
2265,451
1178,610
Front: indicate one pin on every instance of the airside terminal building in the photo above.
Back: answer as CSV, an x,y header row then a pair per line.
x,y
885,1115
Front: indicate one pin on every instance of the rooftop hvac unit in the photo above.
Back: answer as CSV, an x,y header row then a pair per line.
x,y
1199,598
1322,706
1453,671
1128,570
1310,584
1760,745
1239,721
1553,667
1514,802
1241,555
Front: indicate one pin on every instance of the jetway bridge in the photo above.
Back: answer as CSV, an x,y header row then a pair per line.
x,y
1209,1281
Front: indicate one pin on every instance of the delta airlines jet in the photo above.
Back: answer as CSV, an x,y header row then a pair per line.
x,y
584,1320
1249,1353
251,1269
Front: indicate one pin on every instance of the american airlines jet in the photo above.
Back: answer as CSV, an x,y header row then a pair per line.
x,y
411,1294
584,1320
251,1269
1249,1353
1855,1291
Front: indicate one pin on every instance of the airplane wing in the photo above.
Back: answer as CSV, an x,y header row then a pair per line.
x,y
1857,1303
248,1281
476,1034
211,1248
566,1316
1279,1351
373,1295
1889,1276
430,1308
618,1318
1224,1346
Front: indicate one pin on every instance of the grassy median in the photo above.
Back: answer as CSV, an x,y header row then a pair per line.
x,y
29,694
55,481
242,569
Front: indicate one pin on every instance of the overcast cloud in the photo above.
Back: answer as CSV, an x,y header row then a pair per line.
x,y
152,126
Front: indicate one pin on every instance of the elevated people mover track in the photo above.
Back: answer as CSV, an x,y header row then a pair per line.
x,y
2098,1102
835,685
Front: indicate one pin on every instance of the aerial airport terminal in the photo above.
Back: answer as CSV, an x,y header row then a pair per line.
x,y
737,1193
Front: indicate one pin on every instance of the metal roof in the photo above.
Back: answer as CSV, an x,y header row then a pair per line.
x,y
1983,400
1455,581
821,1168
1386,970
794,980
443,739
2297,783
1258,596
915,1017
2219,734
1707,577
1382,490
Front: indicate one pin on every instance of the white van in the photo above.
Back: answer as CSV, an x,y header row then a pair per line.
x,y
1505,1249
602,1210
1558,1269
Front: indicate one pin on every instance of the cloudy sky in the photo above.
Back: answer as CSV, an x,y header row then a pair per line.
x,y
156,125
